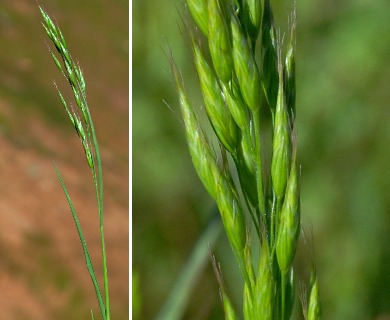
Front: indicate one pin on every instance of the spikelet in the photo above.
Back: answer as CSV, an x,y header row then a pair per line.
x,y
314,311
232,216
236,105
230,313
289,70
217,182
248,309
217,111
289,290
270,60
281,154
265,285
245,67
199,12
252,12
289,228
202,157
219,40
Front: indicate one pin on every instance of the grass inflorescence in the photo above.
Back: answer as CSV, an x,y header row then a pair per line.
x,y
247,73
81,119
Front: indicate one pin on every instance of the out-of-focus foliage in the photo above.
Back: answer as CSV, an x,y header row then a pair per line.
x,y
343,75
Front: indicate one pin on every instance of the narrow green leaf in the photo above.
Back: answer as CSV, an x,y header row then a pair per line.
x,y
85,248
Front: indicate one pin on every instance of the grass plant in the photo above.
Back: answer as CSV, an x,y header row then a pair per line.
x,y
81,119
247,75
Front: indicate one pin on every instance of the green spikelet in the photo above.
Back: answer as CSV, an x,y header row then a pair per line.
x,y
264,291
230,313
199,12
245,67
270,60
219,40
232,216
248,308
314,311
236,105
289,290
288,233
202,157
289,70
281,146
252,13
217,111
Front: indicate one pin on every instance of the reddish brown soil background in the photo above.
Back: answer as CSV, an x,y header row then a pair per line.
x,y
42,270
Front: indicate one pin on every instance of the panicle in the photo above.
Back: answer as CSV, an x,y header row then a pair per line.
x,y
234,88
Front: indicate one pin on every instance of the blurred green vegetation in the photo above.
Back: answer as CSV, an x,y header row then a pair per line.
x,y
343,95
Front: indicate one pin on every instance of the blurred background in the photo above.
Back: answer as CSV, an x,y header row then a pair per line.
x,y
343,77
42,267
